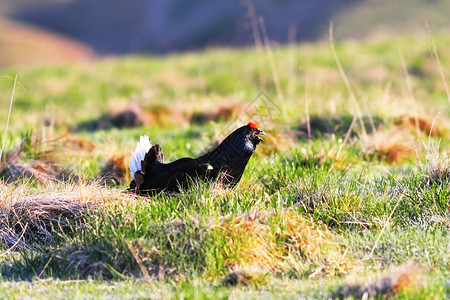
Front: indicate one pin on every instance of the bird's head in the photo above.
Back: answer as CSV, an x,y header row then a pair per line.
x,y
243,141
254,133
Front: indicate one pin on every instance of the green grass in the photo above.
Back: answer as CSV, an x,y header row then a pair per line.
x,y
309,216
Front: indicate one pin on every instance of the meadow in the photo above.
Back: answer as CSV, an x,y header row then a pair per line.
x,y
347,197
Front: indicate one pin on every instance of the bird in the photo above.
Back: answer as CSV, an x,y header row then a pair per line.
x,y
227,162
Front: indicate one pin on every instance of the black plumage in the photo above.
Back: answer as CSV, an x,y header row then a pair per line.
x,y
227,161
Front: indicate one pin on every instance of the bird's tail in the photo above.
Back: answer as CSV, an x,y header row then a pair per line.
x,y
142,147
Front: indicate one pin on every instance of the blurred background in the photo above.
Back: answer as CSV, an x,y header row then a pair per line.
x,y
55,31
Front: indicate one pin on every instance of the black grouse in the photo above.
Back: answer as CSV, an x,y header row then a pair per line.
x,y
228,160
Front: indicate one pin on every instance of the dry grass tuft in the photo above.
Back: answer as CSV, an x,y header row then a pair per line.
x,y
391,284
79,144
40,170
313,244
393,145
437,166
36,219
36,158
323,155
248,243
261,242
116,168
428,125
276,141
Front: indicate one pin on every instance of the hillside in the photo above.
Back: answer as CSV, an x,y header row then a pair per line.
x,y
172,26
23,45
366,19
348,196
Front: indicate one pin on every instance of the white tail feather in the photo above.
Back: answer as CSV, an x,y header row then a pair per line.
x,y
142,148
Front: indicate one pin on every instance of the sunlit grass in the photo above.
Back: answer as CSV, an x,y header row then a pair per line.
x,y
317,206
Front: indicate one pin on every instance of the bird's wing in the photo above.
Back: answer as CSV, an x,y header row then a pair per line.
x,y
172,175
152,157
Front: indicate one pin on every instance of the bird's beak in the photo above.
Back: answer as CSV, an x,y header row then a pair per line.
x,y
261,133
